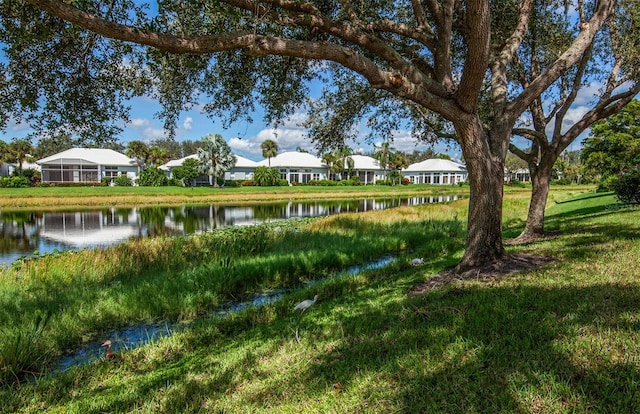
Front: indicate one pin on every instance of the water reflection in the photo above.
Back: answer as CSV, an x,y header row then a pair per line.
x,y
26,233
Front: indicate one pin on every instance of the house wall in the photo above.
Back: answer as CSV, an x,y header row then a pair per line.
x,y
436,178
240,173
70,173
4,169
83,172
369,176
302,175
520,175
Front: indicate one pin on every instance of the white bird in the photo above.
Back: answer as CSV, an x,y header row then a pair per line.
x,y
306,304
417,261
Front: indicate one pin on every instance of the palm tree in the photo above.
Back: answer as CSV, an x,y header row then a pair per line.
x,y
269,149
158,156
345,161
19,151
215,157
397,162
266,176
139,151
329,159
383,155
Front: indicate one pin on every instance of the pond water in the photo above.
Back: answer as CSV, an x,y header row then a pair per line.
x,y
28,233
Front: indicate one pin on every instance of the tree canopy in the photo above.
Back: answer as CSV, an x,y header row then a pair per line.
x,y
443,68
613,147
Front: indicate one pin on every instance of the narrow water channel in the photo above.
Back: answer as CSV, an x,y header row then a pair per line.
x,y
135,336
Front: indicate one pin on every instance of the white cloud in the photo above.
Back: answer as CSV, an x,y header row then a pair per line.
x,y
150,134
145,130
139,123
587,94
404,141
245,146
289,135
188,123
21,128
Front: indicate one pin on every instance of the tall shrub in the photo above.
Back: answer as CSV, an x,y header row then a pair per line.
x,y
627,188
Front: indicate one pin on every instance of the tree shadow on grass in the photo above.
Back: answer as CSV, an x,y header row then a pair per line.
x,y
583,197
473,347
589,212
480,348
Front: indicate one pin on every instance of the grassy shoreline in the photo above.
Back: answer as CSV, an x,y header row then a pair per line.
x,y
563,338
56,197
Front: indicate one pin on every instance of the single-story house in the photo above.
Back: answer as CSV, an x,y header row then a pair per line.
x,y
297,167
86,165
521,174
367,168
243,170
435,171
7,168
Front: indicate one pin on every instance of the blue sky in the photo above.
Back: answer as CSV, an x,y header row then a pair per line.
x,y
243,137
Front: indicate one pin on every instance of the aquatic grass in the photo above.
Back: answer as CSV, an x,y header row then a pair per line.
x,y
23,349
185,277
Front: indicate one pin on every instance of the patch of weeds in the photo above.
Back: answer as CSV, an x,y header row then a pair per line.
x,y
22,349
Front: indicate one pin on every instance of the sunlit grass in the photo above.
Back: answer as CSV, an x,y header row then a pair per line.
x,y
59,197
562,338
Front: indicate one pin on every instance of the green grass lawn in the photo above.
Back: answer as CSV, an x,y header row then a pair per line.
x,y
562,338
55,197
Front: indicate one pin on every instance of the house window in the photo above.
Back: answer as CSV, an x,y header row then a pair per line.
x,y
110,171
293,176
305,176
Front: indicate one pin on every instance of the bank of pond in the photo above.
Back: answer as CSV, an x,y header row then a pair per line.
x,y
63,304
27,233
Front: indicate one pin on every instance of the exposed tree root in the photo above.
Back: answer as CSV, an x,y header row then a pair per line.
x,y
531,238
510,264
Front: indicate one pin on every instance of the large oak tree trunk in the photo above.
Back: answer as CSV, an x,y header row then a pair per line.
x,y
486,179
540,178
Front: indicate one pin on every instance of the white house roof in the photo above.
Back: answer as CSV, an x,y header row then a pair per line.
x,y
293,159
177,163
11,166
241,162
363,162
436,165
97,156
244,162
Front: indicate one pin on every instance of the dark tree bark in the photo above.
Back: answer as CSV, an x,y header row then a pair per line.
x,y
540,179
